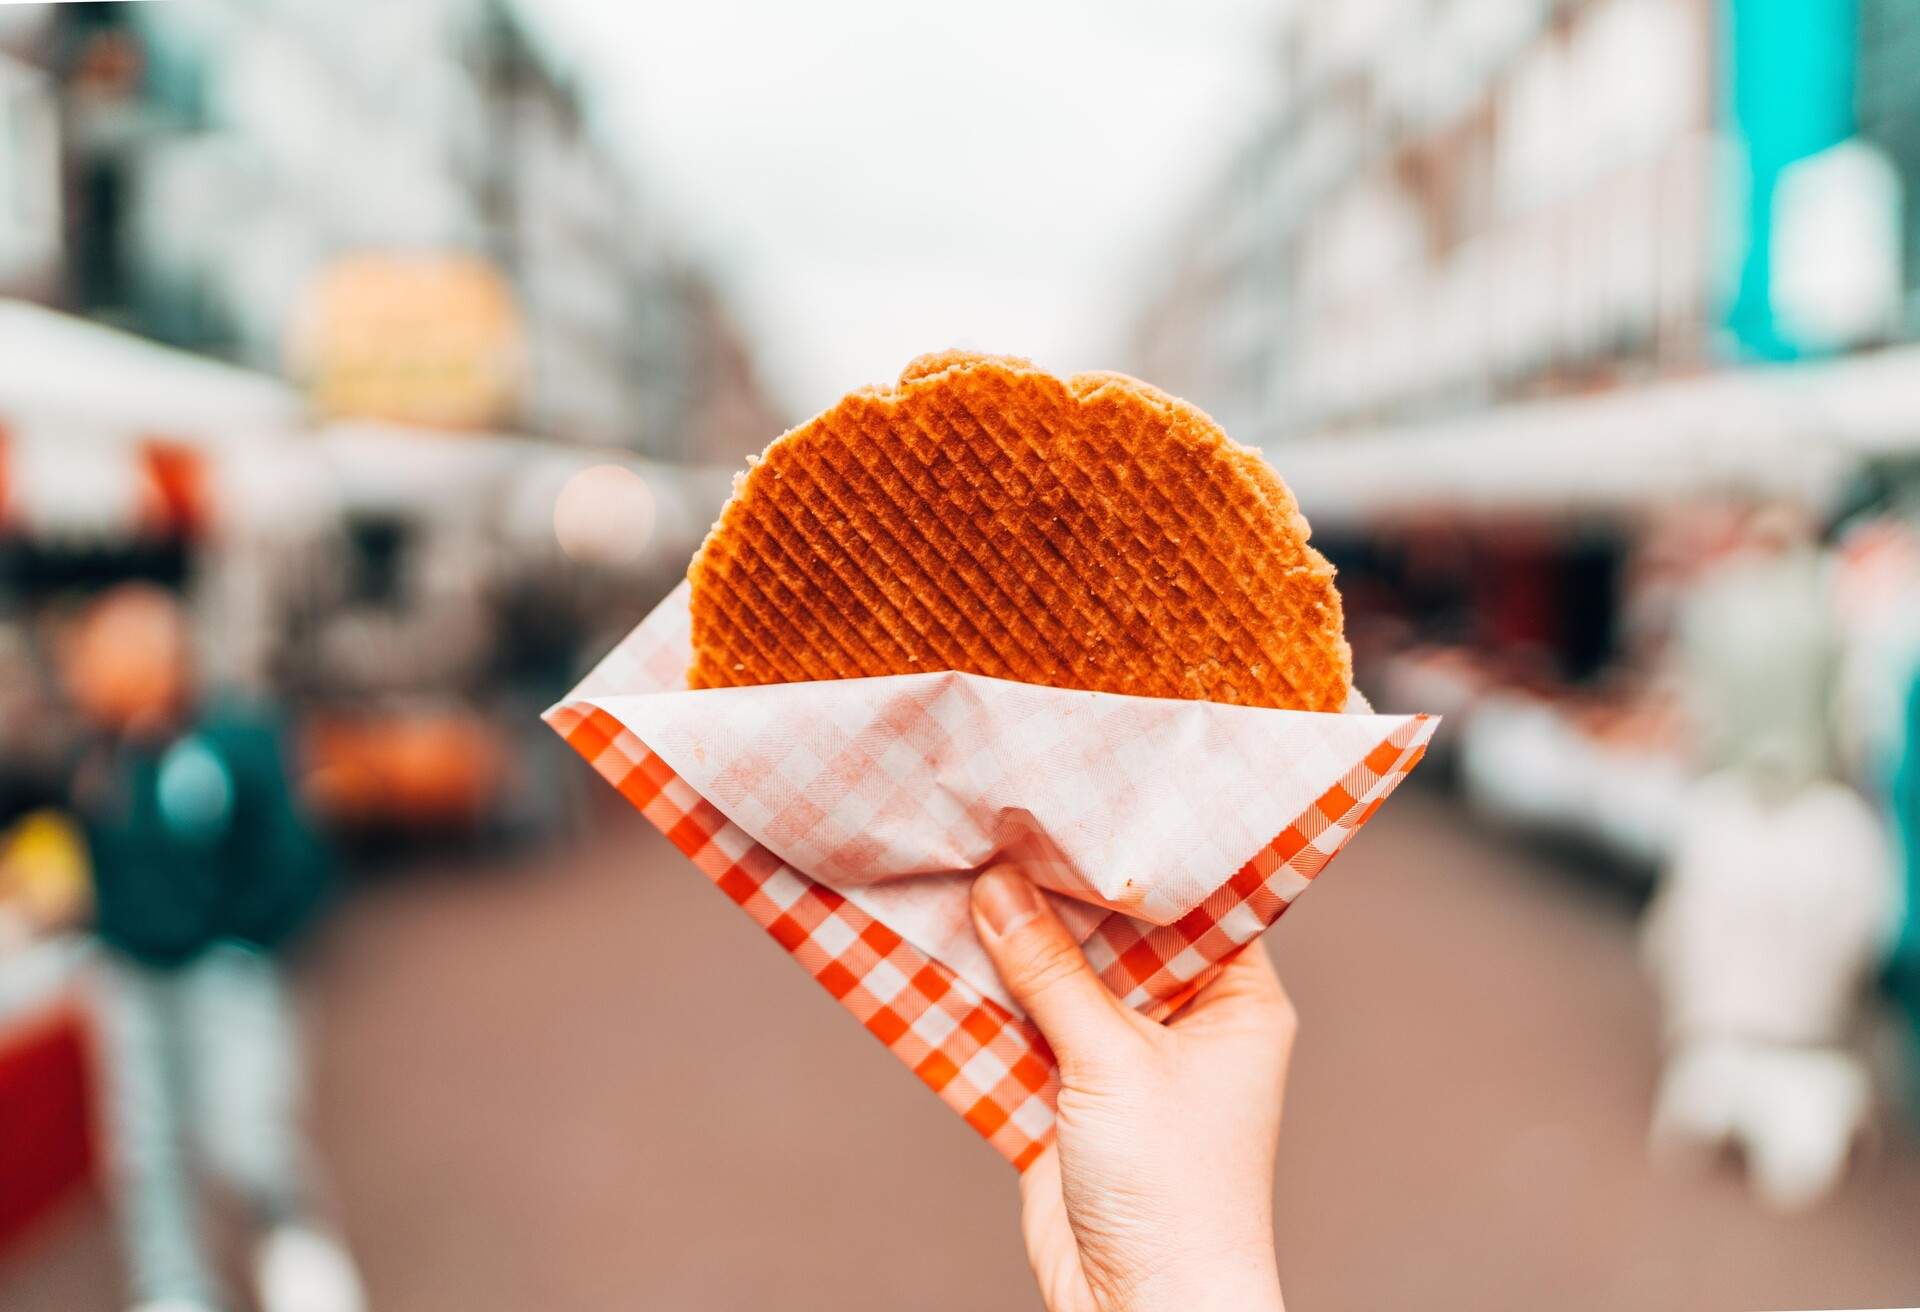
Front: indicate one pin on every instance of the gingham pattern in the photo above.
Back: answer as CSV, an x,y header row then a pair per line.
x,y
1134,804
987,1064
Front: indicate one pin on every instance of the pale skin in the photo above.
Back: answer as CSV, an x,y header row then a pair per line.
x,y
1158,1191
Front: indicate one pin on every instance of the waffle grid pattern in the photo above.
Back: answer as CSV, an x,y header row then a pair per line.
x,y
984,516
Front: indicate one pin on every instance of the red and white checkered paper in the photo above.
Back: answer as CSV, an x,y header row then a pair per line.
x,y
847,818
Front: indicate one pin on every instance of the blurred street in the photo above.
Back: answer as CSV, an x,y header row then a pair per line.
x,y
1465,1127
368,372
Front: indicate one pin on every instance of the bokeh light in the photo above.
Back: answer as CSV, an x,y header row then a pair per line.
x,y
604,516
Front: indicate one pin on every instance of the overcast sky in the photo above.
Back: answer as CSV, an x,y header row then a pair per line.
x,y
878,178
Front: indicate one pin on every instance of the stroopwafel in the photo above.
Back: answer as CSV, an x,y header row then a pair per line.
x,y
985,516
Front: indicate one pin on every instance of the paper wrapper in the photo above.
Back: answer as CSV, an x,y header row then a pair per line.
x,y
847,817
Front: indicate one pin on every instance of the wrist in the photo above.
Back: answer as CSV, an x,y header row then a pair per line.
x,y
1245,1279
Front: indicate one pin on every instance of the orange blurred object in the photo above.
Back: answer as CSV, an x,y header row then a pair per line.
x,y
410,769
128,661
177,496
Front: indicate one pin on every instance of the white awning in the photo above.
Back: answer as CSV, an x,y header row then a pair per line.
x,y
1795,431
87,381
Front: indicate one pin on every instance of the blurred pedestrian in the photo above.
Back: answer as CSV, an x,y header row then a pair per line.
x,y
1775,906
203,870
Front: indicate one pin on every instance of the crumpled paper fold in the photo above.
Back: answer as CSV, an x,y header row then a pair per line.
x,y
848,817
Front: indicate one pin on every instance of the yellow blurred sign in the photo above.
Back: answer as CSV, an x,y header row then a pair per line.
x,y
44,874
433,340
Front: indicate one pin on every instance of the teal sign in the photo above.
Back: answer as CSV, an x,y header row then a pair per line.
x,y
1787,87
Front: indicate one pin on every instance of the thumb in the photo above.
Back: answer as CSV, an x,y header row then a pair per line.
x,y
1042,966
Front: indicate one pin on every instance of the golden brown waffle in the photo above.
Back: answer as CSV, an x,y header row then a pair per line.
x,y
986,516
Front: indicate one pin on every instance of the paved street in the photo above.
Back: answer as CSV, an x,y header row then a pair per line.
x,y
587,1082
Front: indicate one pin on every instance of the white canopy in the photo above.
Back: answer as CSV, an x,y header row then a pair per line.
x,y
79,378
1784,430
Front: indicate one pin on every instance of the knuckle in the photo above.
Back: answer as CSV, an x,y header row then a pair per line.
x,y
1050,963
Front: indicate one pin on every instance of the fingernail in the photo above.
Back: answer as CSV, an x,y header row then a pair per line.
x,y
1006,900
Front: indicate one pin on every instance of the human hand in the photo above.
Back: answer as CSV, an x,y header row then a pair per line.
x,y
1158,1190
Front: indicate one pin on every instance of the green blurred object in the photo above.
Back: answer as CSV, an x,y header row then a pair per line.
x,y
1888,97
200,840
1906,819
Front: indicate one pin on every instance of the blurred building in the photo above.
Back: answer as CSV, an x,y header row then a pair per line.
x,y
1460,203
1501,285
219,156
30,215
412,215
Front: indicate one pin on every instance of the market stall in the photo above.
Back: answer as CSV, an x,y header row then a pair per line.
x,y
411,597
1520,569
396,586
471,578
